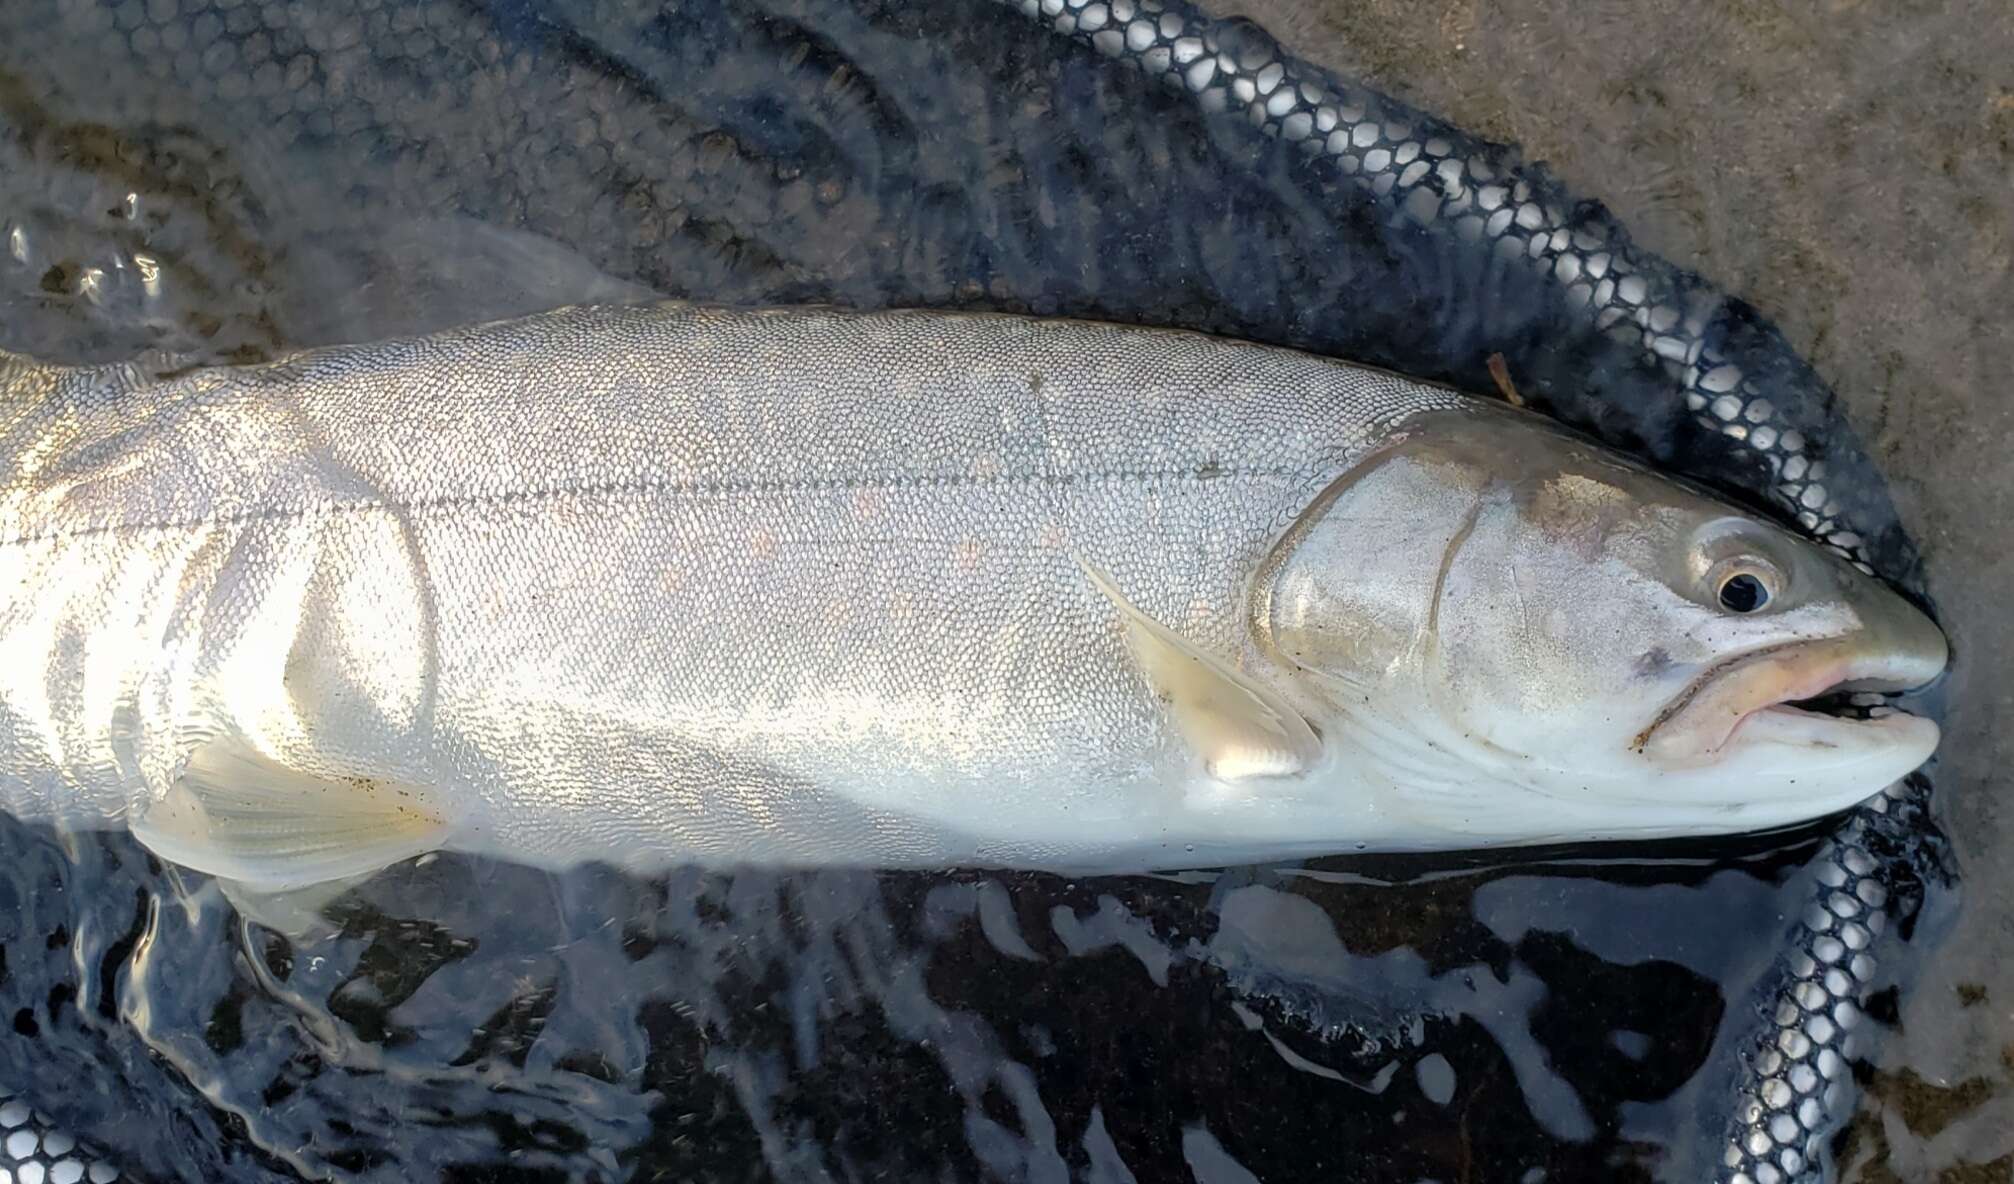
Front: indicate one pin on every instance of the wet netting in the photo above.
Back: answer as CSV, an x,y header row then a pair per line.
x,y
229,179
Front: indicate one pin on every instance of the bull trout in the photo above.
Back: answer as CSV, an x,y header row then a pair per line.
x,y
663,584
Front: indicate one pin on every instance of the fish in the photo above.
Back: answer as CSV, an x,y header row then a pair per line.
x,y
670,583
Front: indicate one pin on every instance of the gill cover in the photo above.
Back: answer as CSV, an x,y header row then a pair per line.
x,y
1348,600
1350,590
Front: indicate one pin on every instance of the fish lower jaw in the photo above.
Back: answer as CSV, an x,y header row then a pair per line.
x,y
1822,741
1784,765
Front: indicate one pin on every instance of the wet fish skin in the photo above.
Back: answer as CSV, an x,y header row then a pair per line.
x,y
663,584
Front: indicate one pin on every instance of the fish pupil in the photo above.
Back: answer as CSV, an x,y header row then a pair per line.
x,y
1743,593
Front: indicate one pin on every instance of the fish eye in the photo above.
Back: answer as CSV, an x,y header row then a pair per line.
x,y
1743,592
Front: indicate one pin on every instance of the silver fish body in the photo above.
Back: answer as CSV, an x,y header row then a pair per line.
x,y
670,583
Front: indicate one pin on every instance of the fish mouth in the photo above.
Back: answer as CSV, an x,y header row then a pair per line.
x,y
1793,694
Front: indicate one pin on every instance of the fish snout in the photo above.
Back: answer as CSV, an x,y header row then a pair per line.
x,y
1901,649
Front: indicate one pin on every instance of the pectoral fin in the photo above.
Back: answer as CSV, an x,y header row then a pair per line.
x,y
1240,728
239,815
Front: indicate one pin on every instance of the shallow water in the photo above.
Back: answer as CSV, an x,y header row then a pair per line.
x,y
1574,1014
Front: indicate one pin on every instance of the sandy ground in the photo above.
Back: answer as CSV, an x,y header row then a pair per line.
x,y
1849,168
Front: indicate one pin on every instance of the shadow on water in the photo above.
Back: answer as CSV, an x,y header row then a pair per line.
x,y
224,180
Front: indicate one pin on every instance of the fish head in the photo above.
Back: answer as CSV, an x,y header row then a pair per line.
x,y
1558,619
